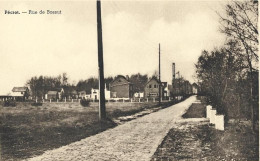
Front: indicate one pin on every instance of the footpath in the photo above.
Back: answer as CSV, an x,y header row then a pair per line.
x,y
134,140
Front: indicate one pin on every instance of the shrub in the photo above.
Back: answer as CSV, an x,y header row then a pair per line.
x,y
84,102
9,103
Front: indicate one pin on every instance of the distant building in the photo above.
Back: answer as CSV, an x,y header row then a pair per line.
x,y
194,88
187,87
120,87
170,92
165,89
20,92
95,94
51,95
151,89
139,94
74,94
55,94
82,94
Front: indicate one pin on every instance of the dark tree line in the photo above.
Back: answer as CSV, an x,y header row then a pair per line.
x,y
40,85
229,75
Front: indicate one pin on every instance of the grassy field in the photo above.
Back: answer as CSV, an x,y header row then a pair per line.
x,y
200,141
28,130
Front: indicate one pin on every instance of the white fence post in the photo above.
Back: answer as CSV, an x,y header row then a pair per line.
x,y
65,99
79,100
50,100
219,122
213,116
209,107
57,100
147,99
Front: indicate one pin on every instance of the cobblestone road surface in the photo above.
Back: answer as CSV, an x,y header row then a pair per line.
x,y
135,140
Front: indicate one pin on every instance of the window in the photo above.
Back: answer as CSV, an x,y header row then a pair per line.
x,y
150,86
155,86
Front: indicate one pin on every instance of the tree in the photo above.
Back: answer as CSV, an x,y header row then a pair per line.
x,y
139,82
86,85
40,85
218,71
64,79
241,24
108,80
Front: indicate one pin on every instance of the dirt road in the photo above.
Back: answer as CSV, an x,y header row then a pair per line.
x,y
134,140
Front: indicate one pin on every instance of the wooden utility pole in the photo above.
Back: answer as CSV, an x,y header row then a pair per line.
x,y
159,75
102,101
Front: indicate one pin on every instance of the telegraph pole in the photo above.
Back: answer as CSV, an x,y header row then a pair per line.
x,y
102,101
159,75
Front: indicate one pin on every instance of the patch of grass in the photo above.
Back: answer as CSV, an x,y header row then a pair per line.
x,y
196,110
202,142
33,131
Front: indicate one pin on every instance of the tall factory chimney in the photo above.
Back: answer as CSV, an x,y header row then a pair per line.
x,y
173,72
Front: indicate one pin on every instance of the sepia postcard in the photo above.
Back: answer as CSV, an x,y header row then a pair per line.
x,y
129,80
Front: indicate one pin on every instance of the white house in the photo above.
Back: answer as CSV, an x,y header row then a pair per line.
x,y
20,92
95,94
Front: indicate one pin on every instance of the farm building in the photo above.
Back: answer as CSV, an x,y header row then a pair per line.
x,y
55,94
120,87
20,93
51,95
151,89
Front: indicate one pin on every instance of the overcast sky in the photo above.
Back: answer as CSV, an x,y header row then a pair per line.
x,y
33,45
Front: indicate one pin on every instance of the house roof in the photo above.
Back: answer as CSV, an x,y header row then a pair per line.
x,y
194,85
20,89
152,79
119,76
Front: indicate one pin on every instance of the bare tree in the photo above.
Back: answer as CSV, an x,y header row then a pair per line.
x,y
241,24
